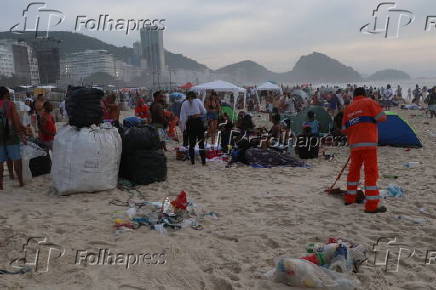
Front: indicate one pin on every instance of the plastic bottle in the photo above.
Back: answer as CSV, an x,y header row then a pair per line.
x,y
131,212
411,164
411,219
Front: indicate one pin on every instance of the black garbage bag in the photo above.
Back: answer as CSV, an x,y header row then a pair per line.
x,y
144,167
143,137
40,165
83,106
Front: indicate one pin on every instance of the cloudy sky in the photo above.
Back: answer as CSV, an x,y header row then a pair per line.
x,y
274,33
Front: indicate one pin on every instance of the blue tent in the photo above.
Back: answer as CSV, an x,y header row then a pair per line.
x,y
397,132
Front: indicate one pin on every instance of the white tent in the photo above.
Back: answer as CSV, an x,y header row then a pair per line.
x,y
218,86
269,86
221,86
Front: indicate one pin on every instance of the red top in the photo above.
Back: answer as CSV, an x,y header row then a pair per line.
x,y
48,126
360,123
142,111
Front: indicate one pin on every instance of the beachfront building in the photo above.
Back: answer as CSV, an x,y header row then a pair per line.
x,y
80,65
18,59
126,72
48,55
153,50
6,62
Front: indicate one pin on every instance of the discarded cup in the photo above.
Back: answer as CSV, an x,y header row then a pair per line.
x,y
411,164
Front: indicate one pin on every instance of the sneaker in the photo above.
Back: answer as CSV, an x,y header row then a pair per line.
x,y
381,209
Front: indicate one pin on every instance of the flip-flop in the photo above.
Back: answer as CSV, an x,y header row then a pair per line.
x,y
198,227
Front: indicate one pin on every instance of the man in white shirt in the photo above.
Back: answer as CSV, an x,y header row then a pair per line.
x,y
191,120
388,97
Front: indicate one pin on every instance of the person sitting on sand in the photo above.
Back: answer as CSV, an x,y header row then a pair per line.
x,y
47,126
312,123
245,124
307,146
11,133
226,127
111,110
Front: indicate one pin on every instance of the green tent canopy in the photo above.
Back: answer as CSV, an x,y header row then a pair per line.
x,y
297,122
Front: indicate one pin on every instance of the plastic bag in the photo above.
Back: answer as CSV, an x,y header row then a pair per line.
x,y
29,151
301,273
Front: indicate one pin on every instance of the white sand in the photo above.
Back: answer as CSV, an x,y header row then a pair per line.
x,y
264,213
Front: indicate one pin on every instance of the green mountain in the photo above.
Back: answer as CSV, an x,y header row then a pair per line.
x,y
389,75
321,68
246,72
70,42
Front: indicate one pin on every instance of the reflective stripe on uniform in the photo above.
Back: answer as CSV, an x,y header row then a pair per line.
x,y
381,115
358,120
357,145
371,188
353,183
352,192
372,197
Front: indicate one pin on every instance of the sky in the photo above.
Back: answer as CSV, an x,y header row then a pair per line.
x,y
273,33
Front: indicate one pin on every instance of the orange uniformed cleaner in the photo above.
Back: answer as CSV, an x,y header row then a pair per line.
x,y
360,126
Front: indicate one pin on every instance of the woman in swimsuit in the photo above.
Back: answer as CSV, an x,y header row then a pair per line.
x,y
213,107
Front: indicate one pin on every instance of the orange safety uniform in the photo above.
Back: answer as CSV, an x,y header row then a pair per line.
x,y
360,126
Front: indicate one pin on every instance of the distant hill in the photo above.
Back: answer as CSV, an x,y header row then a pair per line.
x,y
247,72
389,75
71,42
321,68
316,67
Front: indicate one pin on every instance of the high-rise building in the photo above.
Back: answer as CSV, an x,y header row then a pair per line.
x,y
47,53
6,61
153,50
18,59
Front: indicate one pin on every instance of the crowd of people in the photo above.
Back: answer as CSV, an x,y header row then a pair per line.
x,y
203,121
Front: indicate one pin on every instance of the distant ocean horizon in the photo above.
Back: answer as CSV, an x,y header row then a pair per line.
x,y
404,84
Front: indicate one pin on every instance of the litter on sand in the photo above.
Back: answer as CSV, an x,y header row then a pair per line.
x,y
327,266
161,216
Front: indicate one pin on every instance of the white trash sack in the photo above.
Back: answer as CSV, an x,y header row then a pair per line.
x,y
86,160
28,152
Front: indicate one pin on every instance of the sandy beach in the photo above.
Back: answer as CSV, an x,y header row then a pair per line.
x,y
262,214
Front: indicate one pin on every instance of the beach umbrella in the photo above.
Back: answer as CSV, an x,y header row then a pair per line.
x,y
187,86
300,93
177,97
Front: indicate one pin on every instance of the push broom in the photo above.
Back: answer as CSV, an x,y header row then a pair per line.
x,y
333,190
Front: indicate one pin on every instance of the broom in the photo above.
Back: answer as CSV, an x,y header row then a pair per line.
x,y
337,190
